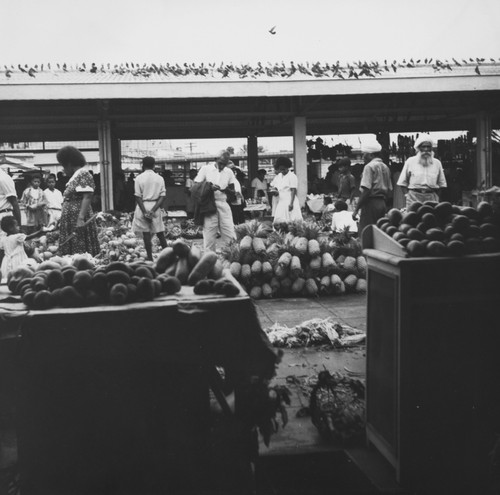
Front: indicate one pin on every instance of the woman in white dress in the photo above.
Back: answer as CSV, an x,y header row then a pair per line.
x,y
286,182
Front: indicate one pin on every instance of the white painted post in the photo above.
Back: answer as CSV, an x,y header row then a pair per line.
x,y
483,150
106,169
300,156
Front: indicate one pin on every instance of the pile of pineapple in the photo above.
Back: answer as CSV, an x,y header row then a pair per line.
x,y
295,262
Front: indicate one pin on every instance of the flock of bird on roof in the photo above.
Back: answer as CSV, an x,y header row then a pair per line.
x,y
242,71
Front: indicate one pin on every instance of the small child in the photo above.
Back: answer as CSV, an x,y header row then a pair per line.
x,y
34,201
342,218
15,254
53,201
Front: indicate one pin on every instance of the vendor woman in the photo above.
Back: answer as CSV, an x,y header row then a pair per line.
x,y
76,210
285,183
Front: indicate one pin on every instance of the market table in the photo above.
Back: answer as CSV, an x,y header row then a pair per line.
x,y
115,399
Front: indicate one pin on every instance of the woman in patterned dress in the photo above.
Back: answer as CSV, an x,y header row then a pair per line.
x,y
76,208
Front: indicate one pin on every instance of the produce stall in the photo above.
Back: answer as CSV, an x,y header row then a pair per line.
x,y
297,259
114,368
433,404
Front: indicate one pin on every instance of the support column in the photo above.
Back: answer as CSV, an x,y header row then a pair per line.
x,y
253,157
483,150
300,156
106,161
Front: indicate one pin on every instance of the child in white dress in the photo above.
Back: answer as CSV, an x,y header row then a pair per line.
x,y
15,254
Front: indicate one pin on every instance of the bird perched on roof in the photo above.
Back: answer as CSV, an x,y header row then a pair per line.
x,y
273,30
32,72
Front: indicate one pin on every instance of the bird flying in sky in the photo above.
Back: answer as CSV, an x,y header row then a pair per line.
x,y
273,30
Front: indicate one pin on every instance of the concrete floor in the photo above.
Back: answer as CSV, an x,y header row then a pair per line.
x,y
300,436
299,365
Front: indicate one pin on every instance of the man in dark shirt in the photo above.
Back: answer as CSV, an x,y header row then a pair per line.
x,y
346,181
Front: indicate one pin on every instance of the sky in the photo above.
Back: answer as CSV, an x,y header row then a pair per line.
x,y
114,31
196,31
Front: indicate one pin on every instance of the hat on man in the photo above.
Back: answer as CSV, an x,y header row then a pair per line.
x,y
423,138
371,146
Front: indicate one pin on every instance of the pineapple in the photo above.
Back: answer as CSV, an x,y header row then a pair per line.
x,y
325,284
256,268
361,265
350,264
280,271
301,246
253,228
256,292
311,287
246,273
231,251
267,291
313,247
286,286
235,269
361,286
350,283
258,246
295,267
311,230
275,284
246,244
267,270
298,285
339,289
335,281
285,259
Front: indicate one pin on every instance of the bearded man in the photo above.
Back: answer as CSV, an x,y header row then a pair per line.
x,y
422,177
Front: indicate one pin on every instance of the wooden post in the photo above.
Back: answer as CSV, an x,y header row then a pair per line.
x,y
253,157
483,150
300,156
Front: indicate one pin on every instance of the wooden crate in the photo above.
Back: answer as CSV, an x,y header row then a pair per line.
x,y
433,401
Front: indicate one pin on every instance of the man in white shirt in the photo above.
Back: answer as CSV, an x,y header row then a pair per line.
x,y
422,176
53,201
149,190
8,203
222,178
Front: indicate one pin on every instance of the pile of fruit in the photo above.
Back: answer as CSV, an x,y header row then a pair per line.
x,y
186,229
295,263
443,229
80,283
117,241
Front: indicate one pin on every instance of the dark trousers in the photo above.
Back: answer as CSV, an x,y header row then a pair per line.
x,y
371,211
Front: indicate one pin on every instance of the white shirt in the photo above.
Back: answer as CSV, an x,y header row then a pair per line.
x,y
417,176
343,219
211,173
53,199
7,189
149,186
221,178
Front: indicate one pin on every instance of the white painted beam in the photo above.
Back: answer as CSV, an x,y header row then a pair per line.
x,y
106,169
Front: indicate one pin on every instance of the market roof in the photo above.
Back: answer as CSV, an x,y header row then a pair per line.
x,y
176,102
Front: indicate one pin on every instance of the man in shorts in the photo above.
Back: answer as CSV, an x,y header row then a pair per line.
x,y
149,193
